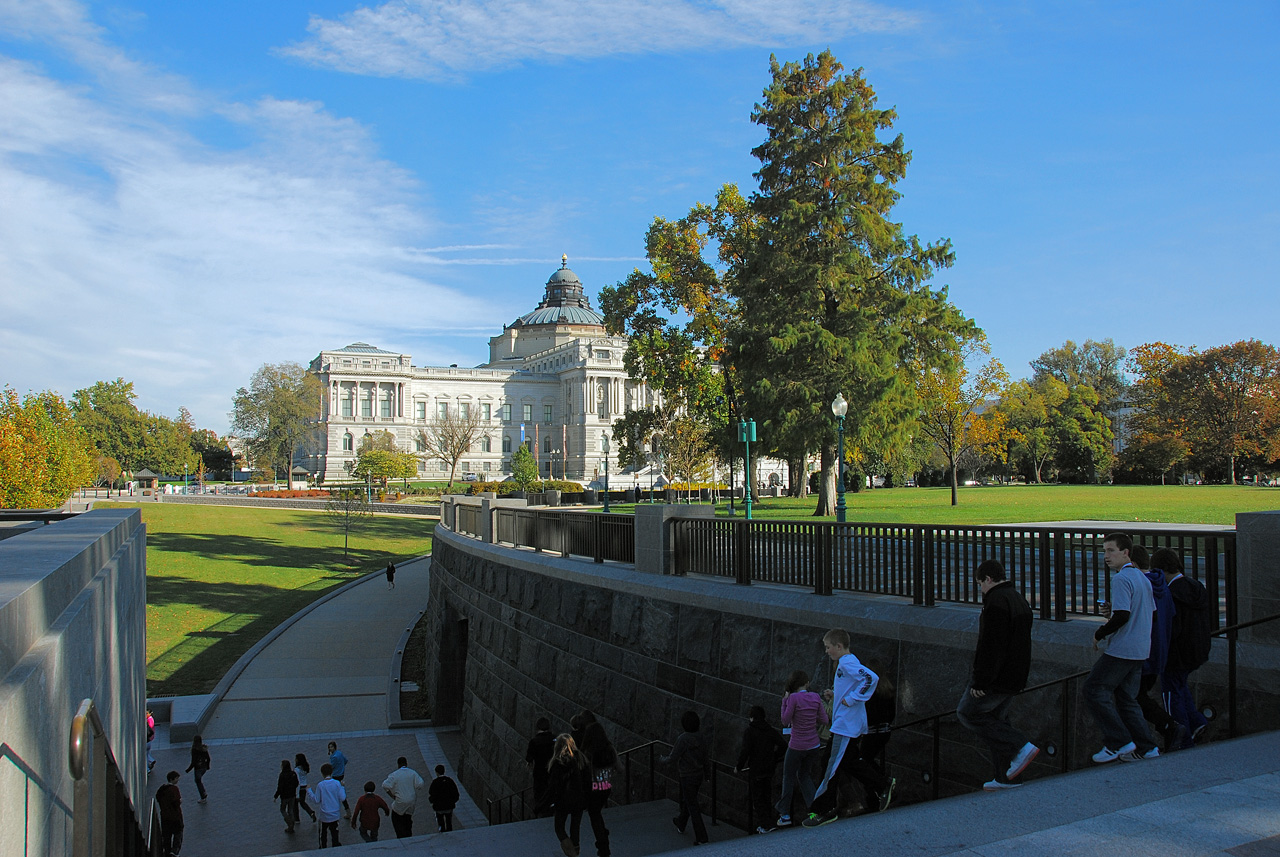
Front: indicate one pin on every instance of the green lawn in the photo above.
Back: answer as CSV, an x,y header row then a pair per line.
x,y
219,578
1183,504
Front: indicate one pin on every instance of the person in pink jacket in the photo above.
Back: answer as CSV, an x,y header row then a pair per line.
x,y
804,711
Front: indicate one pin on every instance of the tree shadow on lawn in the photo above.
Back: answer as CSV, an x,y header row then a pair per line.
x,y
264,551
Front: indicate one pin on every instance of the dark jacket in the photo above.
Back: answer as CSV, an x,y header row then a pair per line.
x,y
286,785
569,786
689,755
538,754
1161,624
1003,658
443,794
199,760
1192,625
169,799
762,747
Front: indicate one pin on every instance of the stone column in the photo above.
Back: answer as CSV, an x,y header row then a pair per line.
x,y
1257,584
655,549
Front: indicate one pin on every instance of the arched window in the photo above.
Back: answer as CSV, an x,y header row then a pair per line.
x,y
348,442
546,443
486,444
506,443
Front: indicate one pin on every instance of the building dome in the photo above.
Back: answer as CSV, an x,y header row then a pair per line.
x,y
563,303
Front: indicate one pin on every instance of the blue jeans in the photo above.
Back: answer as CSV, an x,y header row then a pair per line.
x,y
797,770
988,718
1111,692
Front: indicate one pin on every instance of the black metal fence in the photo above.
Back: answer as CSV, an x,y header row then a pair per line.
x,y
1059,569
599,536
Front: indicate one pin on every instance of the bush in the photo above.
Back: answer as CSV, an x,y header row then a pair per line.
x,y
291,495
502,489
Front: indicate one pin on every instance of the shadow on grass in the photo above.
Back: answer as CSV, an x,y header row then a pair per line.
x,y
265,551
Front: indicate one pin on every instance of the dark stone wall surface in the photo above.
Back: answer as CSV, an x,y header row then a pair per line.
x,y
514,635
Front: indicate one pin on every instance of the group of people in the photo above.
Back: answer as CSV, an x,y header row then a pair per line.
x,y
572,774
1159,628
294,786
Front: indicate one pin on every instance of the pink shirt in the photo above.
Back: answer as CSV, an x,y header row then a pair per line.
x,y
803,711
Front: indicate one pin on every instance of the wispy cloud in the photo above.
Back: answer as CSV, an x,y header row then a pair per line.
x,y
131,247
452,38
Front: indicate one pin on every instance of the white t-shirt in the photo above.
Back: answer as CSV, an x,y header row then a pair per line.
x,y
853,686
1130,590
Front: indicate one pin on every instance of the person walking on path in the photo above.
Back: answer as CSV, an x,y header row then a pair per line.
x,y
200,764
1111,690
391,575
602,756
538,756
330,798
443,796
689,755
1174,734
762,747
366,813
804,711
287,794
569,784
1001,665
169,799
1189,643
402,785
339,763
854,684
151,736
302,769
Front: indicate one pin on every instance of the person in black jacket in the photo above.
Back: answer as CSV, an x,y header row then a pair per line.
x,y
537,755
1189,643
570,785
287,794
1000,668
443,795
762,747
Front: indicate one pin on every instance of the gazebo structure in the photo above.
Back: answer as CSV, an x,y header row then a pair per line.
x,y
148,482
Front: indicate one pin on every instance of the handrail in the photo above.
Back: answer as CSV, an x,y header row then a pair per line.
x,y
104,818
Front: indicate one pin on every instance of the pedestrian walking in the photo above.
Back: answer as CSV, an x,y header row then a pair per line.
x,y
1001,665
603,757
689,755
1153,711
339,763
200,764
391,575
1189,643
301,769
443,795
366,813
169,799
538,755
330,798
151,736
287,794
803,711
762,748
402,786
569,784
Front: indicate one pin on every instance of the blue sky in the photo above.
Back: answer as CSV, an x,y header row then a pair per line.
x,y
189,190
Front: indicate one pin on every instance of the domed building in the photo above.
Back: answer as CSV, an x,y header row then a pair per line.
x,y
554,381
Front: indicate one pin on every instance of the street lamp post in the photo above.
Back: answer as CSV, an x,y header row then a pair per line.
x,y
604,443
732,477
184,477
840,407
746,434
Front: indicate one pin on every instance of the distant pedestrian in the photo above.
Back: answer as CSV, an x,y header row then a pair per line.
x,y
287,794
443,795
151,736
391,575
169,799
200,764
339,763
366,813
1189,643
689,755
602,757
402,785
1001,665
302,769
803,711
330,797
762,747
570,783
538,756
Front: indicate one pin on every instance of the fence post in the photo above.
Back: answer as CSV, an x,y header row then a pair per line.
x,y
1046,575
742,552
1060,577
824,535
563,526
597,534
930,569
917,565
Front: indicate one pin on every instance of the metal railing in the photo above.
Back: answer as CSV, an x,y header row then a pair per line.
x,y
1059,569
599,536
104,819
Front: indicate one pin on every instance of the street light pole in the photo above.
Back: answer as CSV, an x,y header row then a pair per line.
x,y
604,442
746,434
840,407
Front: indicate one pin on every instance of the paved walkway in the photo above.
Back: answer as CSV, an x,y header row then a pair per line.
x,y
325,678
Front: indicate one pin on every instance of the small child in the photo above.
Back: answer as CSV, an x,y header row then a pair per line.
x,y
762,747
804,711
366,813
689,755
443,795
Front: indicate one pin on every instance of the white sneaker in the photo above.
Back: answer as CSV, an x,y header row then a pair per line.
x,y
784,820
1019,764
1106,754
996,785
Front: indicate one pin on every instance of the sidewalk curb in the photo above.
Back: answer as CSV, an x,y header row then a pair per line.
x,y
184,731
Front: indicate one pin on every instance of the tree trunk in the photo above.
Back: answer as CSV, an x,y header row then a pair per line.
x,y
827,484
954,486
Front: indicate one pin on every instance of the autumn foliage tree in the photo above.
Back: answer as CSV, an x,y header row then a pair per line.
x,y
44,455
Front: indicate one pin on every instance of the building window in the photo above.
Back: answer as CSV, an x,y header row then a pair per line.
x,y
506,443
546,443
506,413
527,413
420,411
442,410
366,405
546,414
485,412
464,410
486,444
348,442
346,406
418,445
488,465
386,404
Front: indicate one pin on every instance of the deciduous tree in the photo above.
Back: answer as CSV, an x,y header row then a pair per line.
x,y
277,413
44,454
1030,408
524,467
1095,364
449,438
347,509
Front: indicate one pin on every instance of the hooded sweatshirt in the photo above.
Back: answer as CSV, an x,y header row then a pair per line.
x,y
1161,623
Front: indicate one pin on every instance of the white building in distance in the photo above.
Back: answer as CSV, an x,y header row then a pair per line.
x,y
554,381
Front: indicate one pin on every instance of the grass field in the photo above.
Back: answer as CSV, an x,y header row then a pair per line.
x,y
1182,504
219,578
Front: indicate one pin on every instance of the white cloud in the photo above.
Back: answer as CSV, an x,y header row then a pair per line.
x,y
451,38
130,247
